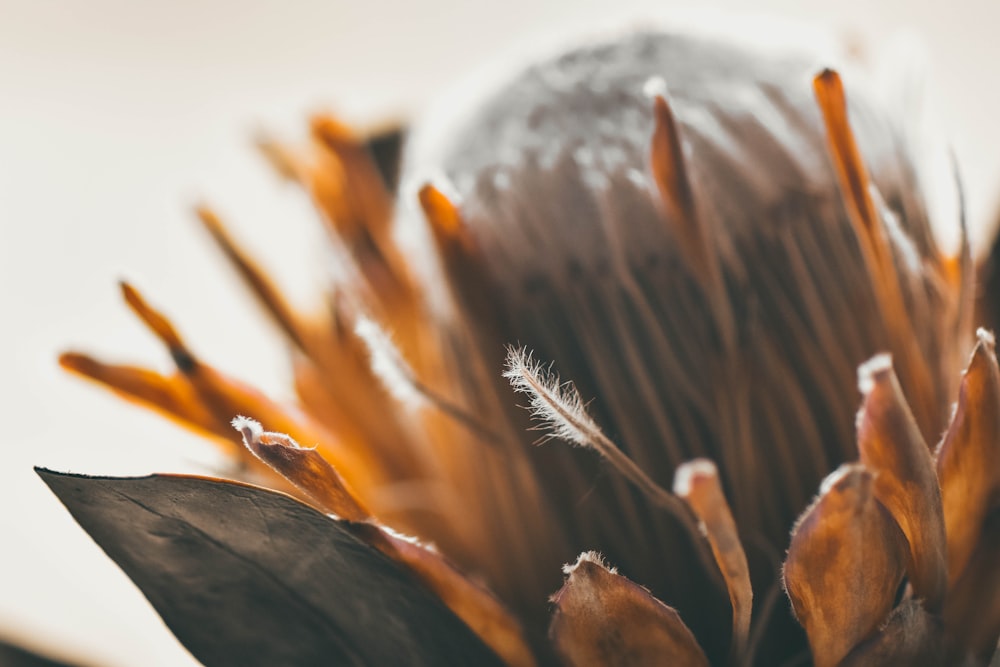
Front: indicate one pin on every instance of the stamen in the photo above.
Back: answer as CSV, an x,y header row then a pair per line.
x,y
559,407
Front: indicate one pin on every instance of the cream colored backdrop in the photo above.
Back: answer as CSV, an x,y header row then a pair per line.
x,y
117,115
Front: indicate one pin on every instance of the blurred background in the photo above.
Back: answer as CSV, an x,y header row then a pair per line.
x,y
116,117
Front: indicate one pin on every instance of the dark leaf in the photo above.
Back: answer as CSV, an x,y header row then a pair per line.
x,y
246,576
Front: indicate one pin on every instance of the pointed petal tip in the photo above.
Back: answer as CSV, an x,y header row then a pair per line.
x,y
439,203
986,338
656,89
848,476
691,474
872,372
250,429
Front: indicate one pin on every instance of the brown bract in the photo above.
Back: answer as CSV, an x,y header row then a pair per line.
x,y
602,618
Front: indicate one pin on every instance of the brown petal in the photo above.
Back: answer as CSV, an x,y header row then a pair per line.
x,y
471,602
263,288
697,483
968,461
602,618
309,471
305,468
890,445
873,238
911,638
845,563
202,397
247,576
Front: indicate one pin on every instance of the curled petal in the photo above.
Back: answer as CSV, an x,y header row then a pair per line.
x,y
697,482
602,618
968,461
305,468
845,563
891,446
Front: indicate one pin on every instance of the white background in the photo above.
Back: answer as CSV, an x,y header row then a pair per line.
x,y
117,116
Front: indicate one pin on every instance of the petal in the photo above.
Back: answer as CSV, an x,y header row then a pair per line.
x,y
911,638
697,483
972,610
307,470
602,618
968,461
246,576
845,564
890,445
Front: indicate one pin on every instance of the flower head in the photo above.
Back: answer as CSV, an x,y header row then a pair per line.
x,y
704,248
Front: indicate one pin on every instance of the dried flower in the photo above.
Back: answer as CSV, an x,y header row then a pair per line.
x,y
667,221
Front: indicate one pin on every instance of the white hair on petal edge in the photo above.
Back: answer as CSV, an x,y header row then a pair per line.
x,y
869,371
250,428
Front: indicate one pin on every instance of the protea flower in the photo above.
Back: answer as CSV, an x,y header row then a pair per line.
x,y
679,250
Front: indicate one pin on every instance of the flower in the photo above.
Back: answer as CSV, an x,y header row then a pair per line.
x,y
665,219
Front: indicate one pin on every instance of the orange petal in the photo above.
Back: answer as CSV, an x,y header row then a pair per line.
x,y
472,603
890,445
602,618
670,173
845,564
873,240
260,284
171,396
968,461
697,482
305,468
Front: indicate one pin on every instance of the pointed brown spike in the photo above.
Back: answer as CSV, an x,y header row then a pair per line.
x,y
262,287
697,483
282,159
845,563
870,231
602,618
442,214
305,468
370,198
223,398
890,445
171,396
847,159
968,460
670,173
160,326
